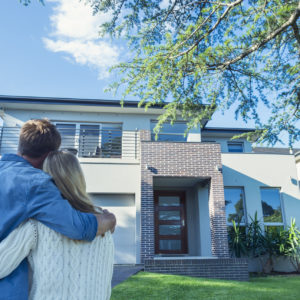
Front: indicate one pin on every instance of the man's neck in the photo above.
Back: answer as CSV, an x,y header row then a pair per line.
x,y
35,162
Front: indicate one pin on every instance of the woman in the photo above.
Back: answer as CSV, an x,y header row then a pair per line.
x,y
63,269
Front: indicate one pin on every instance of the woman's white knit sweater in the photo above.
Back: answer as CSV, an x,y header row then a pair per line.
x,y
63,269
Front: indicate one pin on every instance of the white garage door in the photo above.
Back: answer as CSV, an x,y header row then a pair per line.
x,y
123,206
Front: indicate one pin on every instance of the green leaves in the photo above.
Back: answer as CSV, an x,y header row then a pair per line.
x,y
251,241
242,52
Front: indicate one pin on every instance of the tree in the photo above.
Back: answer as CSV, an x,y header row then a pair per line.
x,y
214,52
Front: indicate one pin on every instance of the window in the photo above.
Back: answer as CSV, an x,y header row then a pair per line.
x,y
271,206
235,147
68,135
168,132
92,140
234,204
111,140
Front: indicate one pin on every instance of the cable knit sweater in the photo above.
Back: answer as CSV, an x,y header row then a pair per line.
x,y
63,269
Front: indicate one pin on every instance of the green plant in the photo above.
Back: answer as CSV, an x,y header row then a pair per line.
x,y
237,240
290,244
255,238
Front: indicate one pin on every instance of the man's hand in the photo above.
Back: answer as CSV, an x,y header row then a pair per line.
x,y
106,221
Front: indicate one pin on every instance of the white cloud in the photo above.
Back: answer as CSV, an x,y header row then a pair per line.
x,y
75,33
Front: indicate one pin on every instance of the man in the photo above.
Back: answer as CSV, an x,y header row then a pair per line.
x,y
27,192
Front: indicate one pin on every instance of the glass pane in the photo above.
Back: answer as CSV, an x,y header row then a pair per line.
x,y
234,203
168,201
170,215
89,140
273,230
270,199
67,132
169,230
111,140
235,147
170,244
168,132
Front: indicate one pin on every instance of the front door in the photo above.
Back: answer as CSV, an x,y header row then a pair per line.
x,y
170,222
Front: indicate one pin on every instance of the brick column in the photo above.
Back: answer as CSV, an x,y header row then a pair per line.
x,y
147,203
171,159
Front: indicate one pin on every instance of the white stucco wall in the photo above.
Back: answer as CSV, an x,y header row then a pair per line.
x,y
253,171
115,179
205,233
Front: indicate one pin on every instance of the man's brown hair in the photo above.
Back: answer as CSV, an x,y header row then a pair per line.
x,y
38,137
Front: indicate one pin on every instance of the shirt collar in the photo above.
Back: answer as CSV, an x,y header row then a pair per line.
x,y
14,157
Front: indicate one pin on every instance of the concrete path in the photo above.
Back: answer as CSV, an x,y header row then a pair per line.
x,y
122,272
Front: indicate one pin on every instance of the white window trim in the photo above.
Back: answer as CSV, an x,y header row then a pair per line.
x,y
77,129
283,223
244,204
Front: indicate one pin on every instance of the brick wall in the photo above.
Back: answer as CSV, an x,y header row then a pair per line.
x,y
186,160
228,268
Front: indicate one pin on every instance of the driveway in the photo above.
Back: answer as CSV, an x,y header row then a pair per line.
x,y
122,272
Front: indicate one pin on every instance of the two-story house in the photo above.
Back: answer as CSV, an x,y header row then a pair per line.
x,y
174,195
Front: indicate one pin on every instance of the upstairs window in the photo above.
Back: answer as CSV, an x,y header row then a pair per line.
x,y
170,133
235,146
68,135
271,207
92,140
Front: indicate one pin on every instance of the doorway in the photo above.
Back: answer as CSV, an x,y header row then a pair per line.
x,y
170,222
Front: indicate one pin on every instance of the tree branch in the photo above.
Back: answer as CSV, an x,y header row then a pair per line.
x,y
296,32
229,7
271,36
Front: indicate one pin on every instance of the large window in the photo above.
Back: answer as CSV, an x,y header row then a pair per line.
x,y
92,140
271,207
172,133
234,203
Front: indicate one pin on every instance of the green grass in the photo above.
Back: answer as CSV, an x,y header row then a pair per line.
x,y
144,286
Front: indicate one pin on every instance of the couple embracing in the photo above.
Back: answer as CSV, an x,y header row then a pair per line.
x,y
48,224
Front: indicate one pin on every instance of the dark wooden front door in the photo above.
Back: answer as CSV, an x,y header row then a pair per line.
x,y
170,222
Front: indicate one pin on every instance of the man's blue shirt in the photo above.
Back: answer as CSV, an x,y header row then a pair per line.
x,y
27,192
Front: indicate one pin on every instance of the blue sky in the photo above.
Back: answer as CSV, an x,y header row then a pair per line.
x,y
54,51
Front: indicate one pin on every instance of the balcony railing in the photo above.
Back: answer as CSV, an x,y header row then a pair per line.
x,y
90,143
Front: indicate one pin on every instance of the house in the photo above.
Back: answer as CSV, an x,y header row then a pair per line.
x,y
169,193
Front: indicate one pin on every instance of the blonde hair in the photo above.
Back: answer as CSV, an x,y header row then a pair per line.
x,y
38,137
67,174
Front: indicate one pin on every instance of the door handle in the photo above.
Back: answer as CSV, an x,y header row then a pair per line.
x,y
183,223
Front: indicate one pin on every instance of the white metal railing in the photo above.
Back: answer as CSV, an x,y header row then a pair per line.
x,y
91,143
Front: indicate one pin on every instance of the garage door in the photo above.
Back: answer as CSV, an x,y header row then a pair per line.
x,y
123,206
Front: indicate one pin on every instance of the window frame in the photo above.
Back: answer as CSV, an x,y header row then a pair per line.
x,y
78,130
175,134
244,205
236,143
276,224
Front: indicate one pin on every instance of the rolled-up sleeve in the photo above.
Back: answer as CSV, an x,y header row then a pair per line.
x,y
45,204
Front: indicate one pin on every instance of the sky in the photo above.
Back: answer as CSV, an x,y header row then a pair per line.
x,y
54,50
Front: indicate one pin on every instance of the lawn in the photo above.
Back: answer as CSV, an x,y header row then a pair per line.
x,y
144,286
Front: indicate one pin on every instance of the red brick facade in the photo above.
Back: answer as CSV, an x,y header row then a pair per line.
x,y
175,159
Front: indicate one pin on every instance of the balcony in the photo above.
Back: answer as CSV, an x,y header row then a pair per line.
x,y
85,143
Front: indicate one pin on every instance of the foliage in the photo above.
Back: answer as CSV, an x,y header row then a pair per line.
x,y
240,53
27,2
151,286
252,242
255,237
290,245
237,240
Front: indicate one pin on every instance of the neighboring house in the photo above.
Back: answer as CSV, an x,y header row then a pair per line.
x,y
168,194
